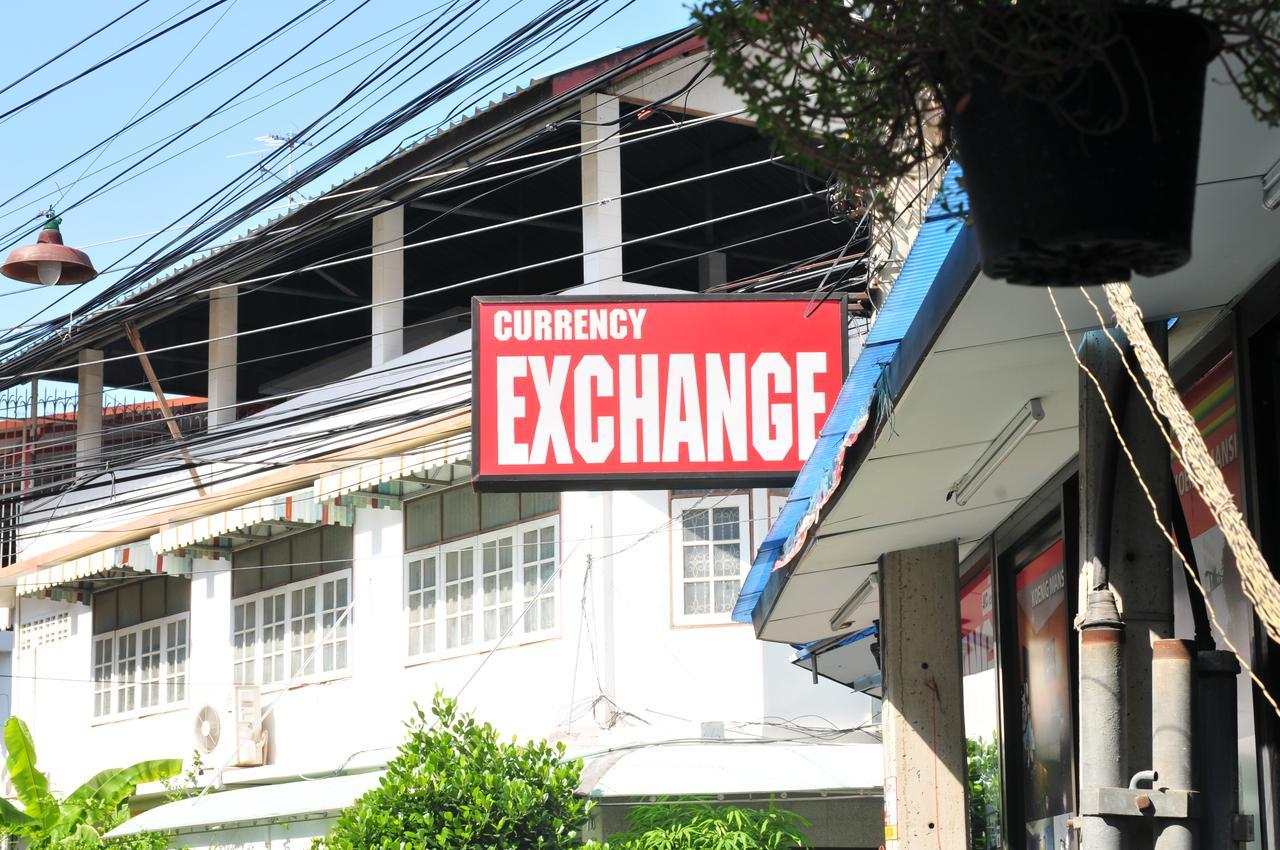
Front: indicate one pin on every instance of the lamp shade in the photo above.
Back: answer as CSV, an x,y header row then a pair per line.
x,y
48,261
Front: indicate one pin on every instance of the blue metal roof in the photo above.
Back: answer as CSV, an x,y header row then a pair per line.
x,y
822,471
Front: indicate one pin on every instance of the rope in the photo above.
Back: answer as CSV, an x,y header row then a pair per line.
x,y
1155,510
1259,584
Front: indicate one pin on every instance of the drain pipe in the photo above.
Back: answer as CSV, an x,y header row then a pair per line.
x,y
1173,681
1101,628
1102,702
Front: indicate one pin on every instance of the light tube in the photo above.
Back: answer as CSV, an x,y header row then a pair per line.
x,y
997,451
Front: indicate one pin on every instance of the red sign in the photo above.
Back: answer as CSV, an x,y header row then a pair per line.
x,y
602,391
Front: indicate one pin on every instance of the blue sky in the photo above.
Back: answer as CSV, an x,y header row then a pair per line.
x,y
58,128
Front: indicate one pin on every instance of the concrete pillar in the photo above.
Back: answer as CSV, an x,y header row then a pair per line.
x,y
388,285
89,408
601,181
224,321
923,708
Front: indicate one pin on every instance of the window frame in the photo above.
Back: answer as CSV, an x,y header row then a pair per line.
x,y
258,658
476,545
678,506
110,691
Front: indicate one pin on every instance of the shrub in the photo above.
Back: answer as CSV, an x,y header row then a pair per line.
x,y
693,825
454,784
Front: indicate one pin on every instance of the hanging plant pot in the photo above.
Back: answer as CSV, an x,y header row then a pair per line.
x,y
1096,183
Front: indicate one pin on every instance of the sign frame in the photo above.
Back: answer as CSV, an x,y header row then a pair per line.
x,y
603,481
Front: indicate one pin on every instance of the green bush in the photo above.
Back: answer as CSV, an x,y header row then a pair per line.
x,y
984,793
691,825
454,784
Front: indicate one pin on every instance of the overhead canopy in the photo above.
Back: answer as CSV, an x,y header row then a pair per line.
x,y
955,356
285,802
130,559
849,660
450,457
297,506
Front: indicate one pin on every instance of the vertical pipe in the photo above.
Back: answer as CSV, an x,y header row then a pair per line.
x,y
1217,759
1172,684
1101,712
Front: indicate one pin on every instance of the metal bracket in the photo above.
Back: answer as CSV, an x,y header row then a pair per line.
x,y
1140,802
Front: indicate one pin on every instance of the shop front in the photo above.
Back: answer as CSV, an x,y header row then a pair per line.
x,y
969,419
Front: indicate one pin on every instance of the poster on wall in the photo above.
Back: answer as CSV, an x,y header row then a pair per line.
x,y
1044,644
603,392
1212,401
977,626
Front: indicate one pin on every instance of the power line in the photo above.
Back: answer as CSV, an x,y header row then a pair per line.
x,y
120,54
212,267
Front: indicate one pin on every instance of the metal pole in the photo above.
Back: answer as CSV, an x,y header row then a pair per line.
x,y
1102,750
1172,684
1101,712
1216,730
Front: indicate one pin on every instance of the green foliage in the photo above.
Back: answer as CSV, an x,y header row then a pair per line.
x,y
454,784
984,793
694,825
78,821
862,89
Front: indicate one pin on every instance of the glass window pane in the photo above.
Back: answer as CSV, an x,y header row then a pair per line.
x,y
694,523
725,524
695,562
728,559
726,596
697,597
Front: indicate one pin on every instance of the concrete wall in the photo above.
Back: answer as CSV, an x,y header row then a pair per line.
x,y
666,679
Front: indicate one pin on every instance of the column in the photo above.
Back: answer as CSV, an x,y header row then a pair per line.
x,y
601,186
89,408
712,271
923,708
223,326
388,285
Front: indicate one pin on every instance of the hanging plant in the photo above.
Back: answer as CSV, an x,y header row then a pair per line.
x,y
1077,122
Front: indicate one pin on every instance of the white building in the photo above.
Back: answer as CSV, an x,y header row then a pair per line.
x,y
281,601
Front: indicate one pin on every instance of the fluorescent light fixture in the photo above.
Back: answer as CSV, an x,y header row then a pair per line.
x,y
997,451
1271,187
843,618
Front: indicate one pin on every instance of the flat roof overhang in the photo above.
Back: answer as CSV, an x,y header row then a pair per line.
x,y
975,352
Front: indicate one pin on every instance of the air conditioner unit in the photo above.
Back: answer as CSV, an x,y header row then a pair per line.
x,y
233,735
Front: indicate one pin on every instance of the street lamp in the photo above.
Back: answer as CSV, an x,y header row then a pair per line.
x,y
49,262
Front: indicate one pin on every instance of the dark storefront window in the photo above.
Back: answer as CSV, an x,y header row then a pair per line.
x,y
1044,636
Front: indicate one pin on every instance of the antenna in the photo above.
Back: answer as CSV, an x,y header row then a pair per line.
x,y
275,141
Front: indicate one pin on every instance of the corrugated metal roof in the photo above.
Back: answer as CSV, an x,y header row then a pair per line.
x,y
823,470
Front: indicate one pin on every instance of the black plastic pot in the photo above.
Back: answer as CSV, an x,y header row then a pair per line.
x,y
1056,205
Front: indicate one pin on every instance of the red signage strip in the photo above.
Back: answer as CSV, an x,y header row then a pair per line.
x,y
603,392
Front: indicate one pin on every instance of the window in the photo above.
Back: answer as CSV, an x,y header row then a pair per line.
x,y
291,616
468,594
140,646
710,550
297,634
